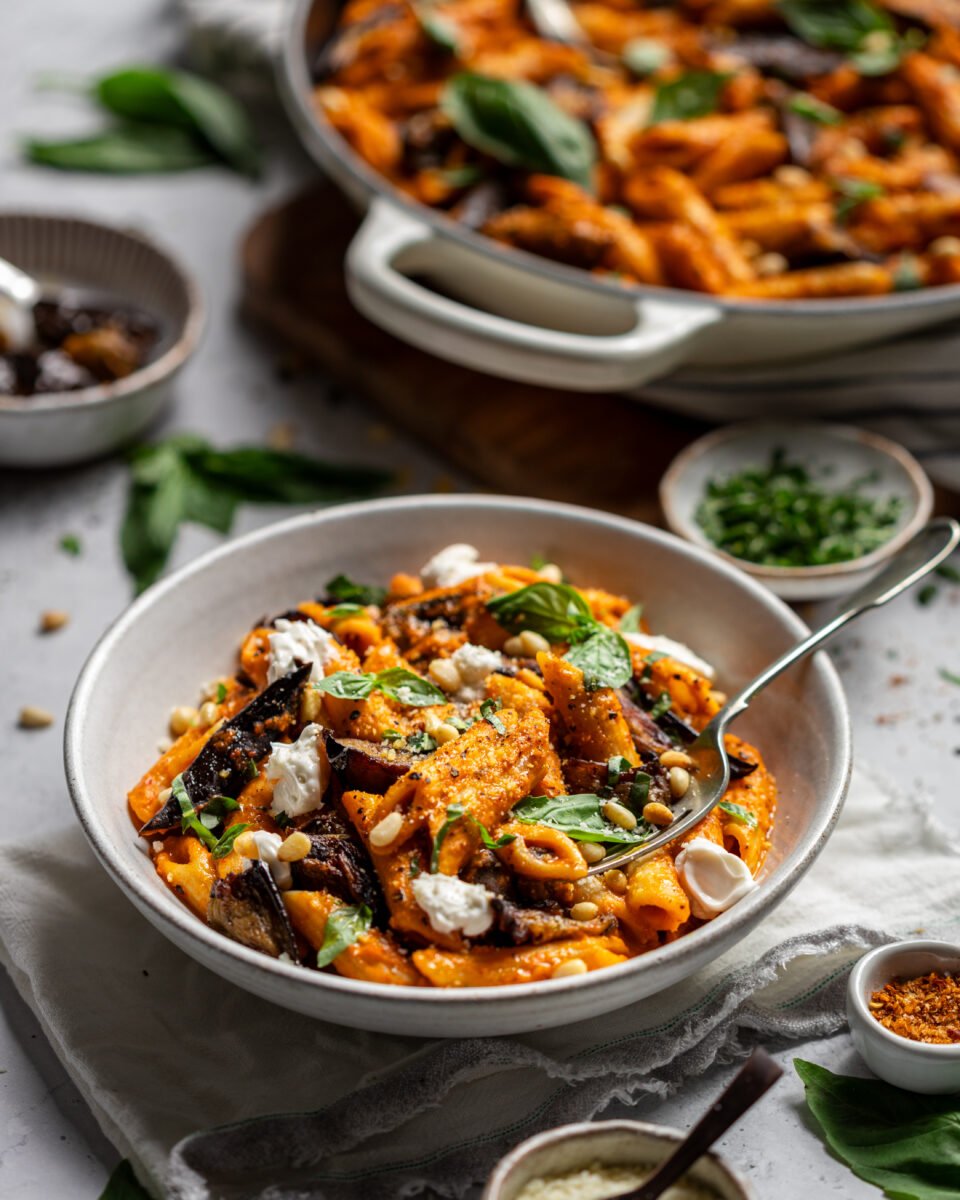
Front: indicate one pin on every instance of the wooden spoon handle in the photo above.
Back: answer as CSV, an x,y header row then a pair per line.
x,y
756,1075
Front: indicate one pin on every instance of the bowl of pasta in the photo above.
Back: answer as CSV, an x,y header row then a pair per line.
x,y
401,753
718,184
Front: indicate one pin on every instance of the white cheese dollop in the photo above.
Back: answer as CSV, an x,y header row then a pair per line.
x,y
300,642
267,846
665,645
713,878
452,905
452,565
474,664
298,773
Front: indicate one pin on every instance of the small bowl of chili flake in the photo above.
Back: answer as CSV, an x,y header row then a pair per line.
x,y
903,1005
809,508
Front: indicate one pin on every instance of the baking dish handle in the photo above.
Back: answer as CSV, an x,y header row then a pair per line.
x,y
662,335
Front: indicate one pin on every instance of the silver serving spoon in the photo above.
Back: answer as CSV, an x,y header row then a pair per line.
x,y
710,774
21,292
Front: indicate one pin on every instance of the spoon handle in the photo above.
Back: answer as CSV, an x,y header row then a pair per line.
x,y
935,542
17,285
756,1075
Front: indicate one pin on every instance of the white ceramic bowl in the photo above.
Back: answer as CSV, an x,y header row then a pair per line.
x,y
835,454
60,428
613,1143
187,629
916,1066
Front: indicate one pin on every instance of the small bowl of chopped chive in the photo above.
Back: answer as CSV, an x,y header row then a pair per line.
x,y
811,509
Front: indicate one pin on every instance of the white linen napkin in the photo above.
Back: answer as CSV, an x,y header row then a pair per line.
x,y
163,1050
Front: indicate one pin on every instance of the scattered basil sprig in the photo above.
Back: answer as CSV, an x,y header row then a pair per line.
x,y
520,125
906,1143
345,591
455,813
185,479
862,30
949,676
580,818
441,31
692,94
202,825
396,682
630,621
805,105
169,121
851,193
742,816
345,925
560,614
71,544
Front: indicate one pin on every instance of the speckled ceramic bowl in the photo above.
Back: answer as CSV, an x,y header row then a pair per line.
x,y
61,428
612,1143
915,1066
836,455
187,628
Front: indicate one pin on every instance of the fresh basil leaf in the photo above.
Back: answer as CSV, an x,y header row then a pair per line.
x,y
805,105
630,621
949,676
837,24
391,735
948,571
906,274
407,688
852,193
661,705
343,589
186,102
254,473
904,1142
124,1185
339,611
347,685
520,125
579,817
488,711
654,656
415,867
421,743
129,149
219,806
455,813
616,767
555,610
444,33
604,659
225,842
71,544
221,692
189,821
644,56
692,94
345,925
639,790
743,816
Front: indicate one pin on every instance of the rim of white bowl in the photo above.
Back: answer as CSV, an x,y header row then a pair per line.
x,y
918,479
173,913
892,951
103,395
585,1130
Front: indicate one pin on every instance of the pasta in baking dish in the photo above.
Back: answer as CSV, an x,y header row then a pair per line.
x,y
408,785
766,149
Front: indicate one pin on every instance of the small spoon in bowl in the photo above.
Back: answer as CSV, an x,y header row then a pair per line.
x,y
21,292
710,773
757,1075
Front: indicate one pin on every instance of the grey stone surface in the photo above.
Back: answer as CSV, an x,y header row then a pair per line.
x,y
905,717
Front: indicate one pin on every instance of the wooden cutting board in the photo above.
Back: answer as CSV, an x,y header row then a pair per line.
x,y
595,449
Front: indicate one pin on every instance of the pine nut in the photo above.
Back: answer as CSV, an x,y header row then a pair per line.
x,y
593,852
445,732
246,845
514,647
385,831
675,758
431,722
679,779
209,713
53,619
311,705
32,717
533,643
295,847
615,881
444,672
573,966
791,176
656,813
945,245
770,264
551,573
619,814
182,718
165,795
586,910
718,697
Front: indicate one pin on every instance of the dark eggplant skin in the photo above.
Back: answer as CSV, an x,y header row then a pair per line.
x,y
585,775
338,864
534,926
247,907
222,768
782,55
363,767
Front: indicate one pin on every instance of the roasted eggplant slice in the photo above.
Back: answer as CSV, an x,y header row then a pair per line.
x,y
337,863
222,768
533,926
647,735
364,766
247,906
585,775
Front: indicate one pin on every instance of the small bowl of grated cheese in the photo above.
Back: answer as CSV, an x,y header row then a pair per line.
x,y
597,1160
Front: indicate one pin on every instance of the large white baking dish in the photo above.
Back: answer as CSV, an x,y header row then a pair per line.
x,y
512,314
